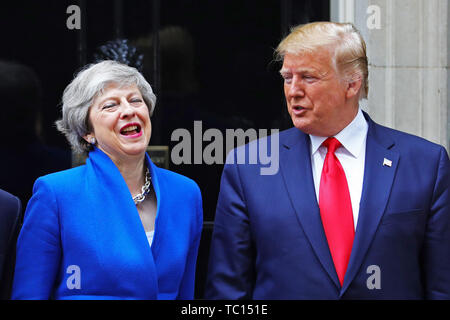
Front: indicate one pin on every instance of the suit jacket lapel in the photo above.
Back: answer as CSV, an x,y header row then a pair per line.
x,y
295,164
378,179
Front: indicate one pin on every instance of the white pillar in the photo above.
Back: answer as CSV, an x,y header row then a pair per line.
x,y
342,10
409,78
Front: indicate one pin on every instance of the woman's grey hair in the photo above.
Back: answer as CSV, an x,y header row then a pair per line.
x,y
88,84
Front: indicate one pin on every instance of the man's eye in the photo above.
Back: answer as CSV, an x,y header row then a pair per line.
x,y
309,78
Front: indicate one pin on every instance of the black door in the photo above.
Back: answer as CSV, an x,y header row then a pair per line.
x,y
210,63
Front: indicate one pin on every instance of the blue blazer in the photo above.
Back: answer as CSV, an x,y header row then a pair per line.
x,y
82,237
269,243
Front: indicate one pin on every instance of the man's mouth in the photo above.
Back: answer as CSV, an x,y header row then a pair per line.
x,y
298,108
130,129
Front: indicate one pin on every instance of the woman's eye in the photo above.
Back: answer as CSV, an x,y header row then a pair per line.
x,y
108,106
136,100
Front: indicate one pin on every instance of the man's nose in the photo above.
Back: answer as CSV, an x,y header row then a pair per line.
x,y
296,89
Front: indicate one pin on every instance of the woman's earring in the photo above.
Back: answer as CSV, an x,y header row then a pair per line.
x,y
92,141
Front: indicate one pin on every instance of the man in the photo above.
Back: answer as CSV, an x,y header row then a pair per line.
x,y
356,211
10,212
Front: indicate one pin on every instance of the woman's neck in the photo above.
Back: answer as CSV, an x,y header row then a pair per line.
x,y
132,171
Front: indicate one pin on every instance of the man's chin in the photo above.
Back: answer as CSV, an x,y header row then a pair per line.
x,y
301,125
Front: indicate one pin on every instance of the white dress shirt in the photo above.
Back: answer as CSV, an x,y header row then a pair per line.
x,y
351,155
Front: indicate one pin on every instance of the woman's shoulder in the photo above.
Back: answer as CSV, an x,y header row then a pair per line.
x,y
65,177
58,185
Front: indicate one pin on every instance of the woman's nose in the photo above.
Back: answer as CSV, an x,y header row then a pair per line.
x,y
126,109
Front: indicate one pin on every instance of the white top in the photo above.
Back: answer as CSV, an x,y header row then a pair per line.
x,y
150,235
351,155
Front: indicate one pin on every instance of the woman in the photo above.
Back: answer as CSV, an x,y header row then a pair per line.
x,y
88,231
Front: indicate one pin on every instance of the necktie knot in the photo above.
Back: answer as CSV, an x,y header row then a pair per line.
x,y
331,144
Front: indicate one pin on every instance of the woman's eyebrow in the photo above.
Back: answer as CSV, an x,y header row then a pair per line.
x,y
114,96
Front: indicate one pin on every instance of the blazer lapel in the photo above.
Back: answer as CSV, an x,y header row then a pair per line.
x,y
295,164
379,172
159,222
119,228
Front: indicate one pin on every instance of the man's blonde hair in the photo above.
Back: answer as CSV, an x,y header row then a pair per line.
x,y
344,41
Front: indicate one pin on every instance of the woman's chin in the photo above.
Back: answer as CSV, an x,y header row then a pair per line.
x,y
136,150
132,149
135,146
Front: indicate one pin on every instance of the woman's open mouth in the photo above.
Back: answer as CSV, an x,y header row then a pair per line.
x,y
131,130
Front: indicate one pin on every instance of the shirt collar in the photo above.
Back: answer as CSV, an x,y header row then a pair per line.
x,y
352,137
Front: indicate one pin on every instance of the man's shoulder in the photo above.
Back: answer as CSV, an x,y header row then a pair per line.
x,y
10,211
262,156
407,142
9,201
286,136
277,137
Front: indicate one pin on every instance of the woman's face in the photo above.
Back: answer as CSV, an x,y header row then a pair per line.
x,y
120,122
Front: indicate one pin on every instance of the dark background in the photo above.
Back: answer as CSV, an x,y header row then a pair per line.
x,y
214,62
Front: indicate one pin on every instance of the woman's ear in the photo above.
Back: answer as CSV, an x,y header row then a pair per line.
x,y
90,139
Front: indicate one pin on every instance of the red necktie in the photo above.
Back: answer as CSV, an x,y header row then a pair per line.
x,y
336,209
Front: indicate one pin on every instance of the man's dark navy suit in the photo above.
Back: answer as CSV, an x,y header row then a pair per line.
x,y
10,214
269,243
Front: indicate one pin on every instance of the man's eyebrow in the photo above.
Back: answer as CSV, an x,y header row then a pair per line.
x,y
299,70
304,70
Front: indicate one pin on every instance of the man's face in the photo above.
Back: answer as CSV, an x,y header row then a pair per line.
x,y
316,97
